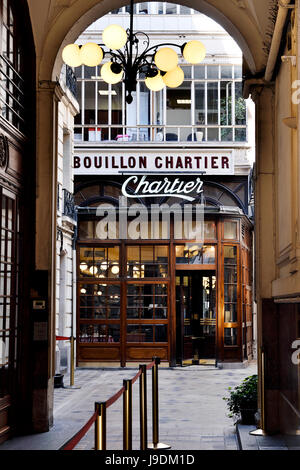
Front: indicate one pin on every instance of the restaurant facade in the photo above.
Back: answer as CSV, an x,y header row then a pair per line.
x,y
164,263
162,190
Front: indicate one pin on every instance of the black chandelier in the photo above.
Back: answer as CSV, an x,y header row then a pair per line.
x,y
131,57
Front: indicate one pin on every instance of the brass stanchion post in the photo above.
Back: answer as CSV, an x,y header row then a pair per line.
x,y
100,426
72,365
127,415
143,408
72,371
261,431
156,445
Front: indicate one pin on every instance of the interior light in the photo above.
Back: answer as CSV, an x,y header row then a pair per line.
x,y
71,55
114,36
83,266
115,269
194,52
93,270
166,59
83,291
107,92
91,54
183,101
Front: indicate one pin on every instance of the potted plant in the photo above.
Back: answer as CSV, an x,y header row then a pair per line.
x,y
242,401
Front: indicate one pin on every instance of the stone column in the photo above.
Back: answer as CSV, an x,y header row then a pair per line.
x,y
265,247
43,285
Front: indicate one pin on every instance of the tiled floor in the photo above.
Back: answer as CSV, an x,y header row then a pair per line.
x,y
192,412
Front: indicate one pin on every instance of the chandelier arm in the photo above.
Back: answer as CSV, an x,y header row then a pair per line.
x,y
120,56
164,44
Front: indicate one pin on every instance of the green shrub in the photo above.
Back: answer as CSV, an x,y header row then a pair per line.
x,y
243,396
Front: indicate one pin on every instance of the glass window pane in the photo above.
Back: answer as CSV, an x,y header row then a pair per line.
x,y
86,261
102,102
116,103
213,135
86,230
238,71
230,255
240,135
179,104
230,293
230,336
89,102
209,255
212,103
240,105
147,253
199,71
171,9
230,230
161,334
209,230
140,333
230,315
213,71
200,106
226,71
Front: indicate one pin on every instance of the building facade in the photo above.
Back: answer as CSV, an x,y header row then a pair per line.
x,y
268,34
186,298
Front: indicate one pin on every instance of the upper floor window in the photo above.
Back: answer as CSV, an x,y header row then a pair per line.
x,y
12,86
156,8
208,107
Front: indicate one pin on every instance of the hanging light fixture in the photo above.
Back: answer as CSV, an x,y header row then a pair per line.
x,y
159,63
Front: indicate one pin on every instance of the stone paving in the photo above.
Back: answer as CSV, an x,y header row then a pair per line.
x,y
192,414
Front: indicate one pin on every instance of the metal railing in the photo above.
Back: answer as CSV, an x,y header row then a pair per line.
x,y
160,133
12,95
99,418
69,208
71,81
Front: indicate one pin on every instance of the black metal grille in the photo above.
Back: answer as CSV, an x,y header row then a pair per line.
x,y
71,80
12,96
69,206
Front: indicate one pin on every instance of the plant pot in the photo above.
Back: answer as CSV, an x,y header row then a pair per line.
x,y
248,415
199,136
58,381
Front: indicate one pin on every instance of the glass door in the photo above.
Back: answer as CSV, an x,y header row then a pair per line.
x,y
195,316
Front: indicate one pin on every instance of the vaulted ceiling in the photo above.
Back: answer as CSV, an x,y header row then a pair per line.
x,y
58,22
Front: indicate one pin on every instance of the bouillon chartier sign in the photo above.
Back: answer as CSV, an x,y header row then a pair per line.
x,y
134,162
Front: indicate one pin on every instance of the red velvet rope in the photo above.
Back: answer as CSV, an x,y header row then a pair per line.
x,y
137,376
149,366
63,338
79,435
115,397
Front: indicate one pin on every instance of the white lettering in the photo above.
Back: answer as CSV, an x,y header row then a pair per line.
x,y
165,188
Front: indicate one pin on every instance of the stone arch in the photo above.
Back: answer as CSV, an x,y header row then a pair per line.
x,y
71,21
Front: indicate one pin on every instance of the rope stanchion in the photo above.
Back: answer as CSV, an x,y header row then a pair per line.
x,y
80,434
99,416
100,426
127,415
156,445
143,407
72,356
